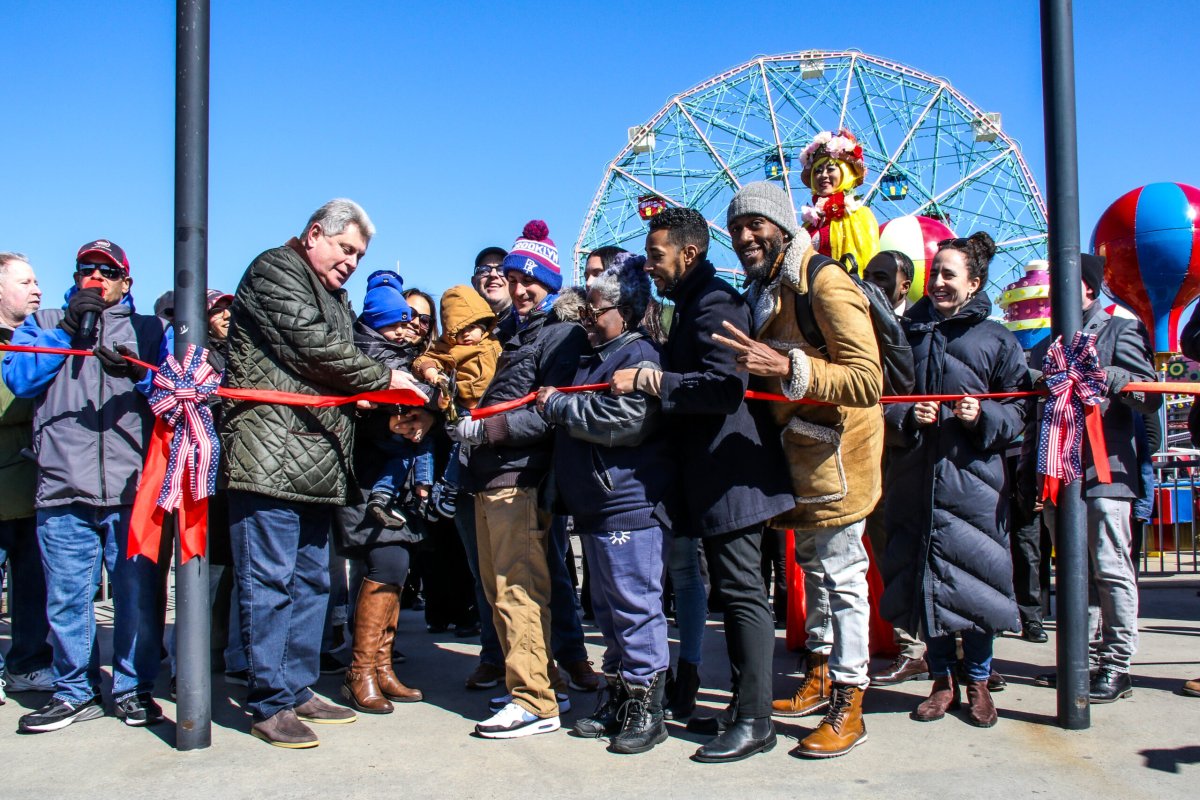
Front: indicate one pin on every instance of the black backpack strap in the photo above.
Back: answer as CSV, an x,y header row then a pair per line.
x,y
804,313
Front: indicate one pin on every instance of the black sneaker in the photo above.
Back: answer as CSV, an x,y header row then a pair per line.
x,y
138,710
1033,631
381,508
59,714
444,499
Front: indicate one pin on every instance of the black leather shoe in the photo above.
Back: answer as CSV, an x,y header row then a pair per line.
x,y
1033,631
742,739
901,670
1109,686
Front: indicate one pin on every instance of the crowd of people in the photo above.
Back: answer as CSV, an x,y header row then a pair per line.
x,y
678,487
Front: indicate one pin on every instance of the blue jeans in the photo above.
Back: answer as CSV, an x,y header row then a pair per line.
x,y
566,629
75,540
691,600
281,560
404,456
941,653
26,596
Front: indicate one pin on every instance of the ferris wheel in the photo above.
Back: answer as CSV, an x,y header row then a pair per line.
x,y
929,152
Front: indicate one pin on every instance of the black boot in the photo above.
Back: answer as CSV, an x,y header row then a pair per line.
x,y
1108,686
716,723
603,721
683,699
742,739
643,725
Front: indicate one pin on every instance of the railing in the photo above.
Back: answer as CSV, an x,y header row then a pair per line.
x,y
1170,541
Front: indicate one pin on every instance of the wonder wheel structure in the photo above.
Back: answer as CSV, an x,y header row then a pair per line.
x,y
929,151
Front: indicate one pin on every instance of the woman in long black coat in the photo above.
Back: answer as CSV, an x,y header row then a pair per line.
x,y
947,568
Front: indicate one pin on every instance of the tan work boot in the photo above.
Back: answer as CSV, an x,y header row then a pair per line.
x,y
361,687
943,696
843,728
385,673
813,694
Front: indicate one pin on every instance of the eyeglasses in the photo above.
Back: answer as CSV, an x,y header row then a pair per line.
x,y
957,244
423,320
484,269
108,273
589,314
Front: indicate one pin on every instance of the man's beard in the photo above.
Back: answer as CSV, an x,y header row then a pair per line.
x,y
761,271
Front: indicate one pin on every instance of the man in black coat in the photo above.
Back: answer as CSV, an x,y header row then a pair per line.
x,y
1124,353
733,477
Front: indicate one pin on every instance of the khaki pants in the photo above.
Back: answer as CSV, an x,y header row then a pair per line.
x,y
513,568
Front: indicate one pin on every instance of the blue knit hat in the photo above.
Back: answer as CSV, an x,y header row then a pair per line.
x,y
535,255
385,304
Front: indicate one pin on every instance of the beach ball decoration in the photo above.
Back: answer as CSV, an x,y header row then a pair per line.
x,y
1151,248
917,238
1026,304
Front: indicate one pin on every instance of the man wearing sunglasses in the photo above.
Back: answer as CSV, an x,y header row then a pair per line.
x,y
91,425
489,281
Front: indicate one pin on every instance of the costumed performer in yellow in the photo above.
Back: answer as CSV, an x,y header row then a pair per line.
x,y
838,221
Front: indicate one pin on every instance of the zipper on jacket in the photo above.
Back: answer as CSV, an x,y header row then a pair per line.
x,y
100,411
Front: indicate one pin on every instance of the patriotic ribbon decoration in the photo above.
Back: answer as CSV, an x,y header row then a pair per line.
x,y
1076,384
183,447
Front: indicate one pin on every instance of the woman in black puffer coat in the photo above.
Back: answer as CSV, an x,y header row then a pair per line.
x,y
947,568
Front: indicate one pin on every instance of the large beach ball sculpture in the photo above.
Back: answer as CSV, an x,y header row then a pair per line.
x,y
1151,247
917,238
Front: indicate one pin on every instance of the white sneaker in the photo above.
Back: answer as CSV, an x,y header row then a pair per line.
x,y
40,680
513,722
2,697
497,703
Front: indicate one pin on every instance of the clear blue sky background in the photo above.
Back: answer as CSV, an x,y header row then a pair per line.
x,y
453,123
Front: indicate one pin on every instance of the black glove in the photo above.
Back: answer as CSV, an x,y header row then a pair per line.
x,y
80,303
117,366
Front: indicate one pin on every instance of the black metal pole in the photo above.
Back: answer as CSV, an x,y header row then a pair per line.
x,y
1066,304
193,678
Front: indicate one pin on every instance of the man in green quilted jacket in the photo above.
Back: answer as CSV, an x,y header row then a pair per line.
x,y
287,468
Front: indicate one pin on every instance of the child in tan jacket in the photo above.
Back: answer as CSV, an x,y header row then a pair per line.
x,y
468,352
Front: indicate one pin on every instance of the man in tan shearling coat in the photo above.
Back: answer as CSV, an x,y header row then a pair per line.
x,y
833,448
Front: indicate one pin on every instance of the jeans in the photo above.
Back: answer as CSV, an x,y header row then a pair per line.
x,y
942,651
453,470
75,540
1112,583
627,570
735,564
835,585
691,599
30,648
404,456
281,559
566,632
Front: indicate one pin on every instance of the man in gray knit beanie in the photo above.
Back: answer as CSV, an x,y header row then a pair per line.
x,y
763,200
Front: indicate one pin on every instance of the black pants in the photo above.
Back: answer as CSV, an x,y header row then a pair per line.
x,y
1026,544
774,572
735,567
388,563
450,589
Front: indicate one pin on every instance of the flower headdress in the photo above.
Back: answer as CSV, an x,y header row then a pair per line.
x,y
842,146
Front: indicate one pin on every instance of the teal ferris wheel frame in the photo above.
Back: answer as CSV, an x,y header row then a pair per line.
x,y
929,151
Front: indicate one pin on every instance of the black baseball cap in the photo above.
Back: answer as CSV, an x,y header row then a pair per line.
x,y
499,252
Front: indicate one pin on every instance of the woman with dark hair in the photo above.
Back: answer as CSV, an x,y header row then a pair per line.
x,y
612,471
948,569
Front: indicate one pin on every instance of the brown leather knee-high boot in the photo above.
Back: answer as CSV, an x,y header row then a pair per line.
x,y
389,684
377,604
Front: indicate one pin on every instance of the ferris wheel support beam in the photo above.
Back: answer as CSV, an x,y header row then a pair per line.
x,y
904,143
666,197
787,184
846,93
1066,304
966,179
716,156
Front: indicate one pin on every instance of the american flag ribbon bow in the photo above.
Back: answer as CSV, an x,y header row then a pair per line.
x,y
184,445
1077,385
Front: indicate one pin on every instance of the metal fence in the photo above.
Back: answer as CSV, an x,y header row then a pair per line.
x,y
1170,541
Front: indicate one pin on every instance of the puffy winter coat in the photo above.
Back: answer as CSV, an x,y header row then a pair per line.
x,y
18,470
90,429
474,365
543,352
289,333
947,564
612,465
732,473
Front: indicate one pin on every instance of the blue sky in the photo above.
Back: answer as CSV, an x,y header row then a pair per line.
x,y
454,123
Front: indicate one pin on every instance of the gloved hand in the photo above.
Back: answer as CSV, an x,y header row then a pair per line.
x,y
1115,378
467,431
115,365
80,303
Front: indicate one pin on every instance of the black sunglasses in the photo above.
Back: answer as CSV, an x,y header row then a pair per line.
x,y
589,314
484,269
956,243
424,319
108,273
